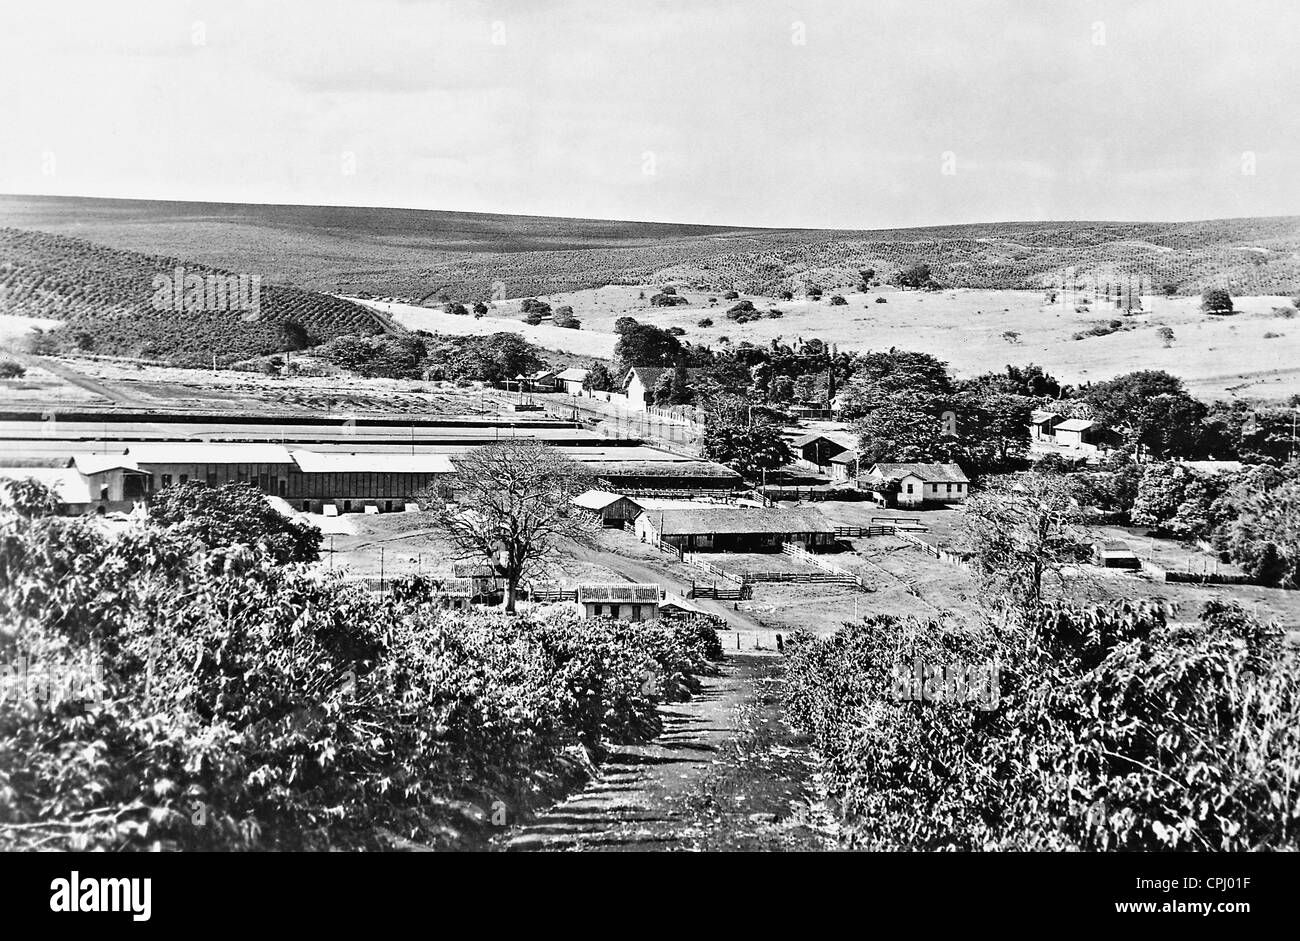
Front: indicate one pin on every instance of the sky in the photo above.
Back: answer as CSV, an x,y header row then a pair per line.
x,y
852,114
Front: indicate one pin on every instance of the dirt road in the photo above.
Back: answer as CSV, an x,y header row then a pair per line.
x,y
725,774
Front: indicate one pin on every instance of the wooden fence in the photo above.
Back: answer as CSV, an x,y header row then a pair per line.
x,y
739,593
856,532
550,596
901,522
692,558
943,555
746,579
844,577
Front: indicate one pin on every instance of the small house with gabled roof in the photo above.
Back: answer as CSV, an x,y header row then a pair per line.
x,y
622,601
915,484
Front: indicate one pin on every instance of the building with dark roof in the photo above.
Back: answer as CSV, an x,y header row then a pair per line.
x,y
613,509
623,601
736,529
914,484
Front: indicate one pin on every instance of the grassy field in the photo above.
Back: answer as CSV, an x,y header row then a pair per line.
x,y
1254,353
505,318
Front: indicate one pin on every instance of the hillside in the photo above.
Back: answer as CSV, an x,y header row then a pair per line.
x,y
105,298
423,256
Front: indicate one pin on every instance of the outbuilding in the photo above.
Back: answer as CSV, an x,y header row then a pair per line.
x,y
623,601
736,529
571,380
613,509
916,484
1114,554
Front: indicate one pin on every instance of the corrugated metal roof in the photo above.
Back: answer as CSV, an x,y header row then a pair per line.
x,y
573,374
1075,424
711,520
373,462
195,452
598,499
1038,416
620,592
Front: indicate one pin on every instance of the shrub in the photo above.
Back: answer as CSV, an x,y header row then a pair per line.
x,y
11,369
668,300
705,322
837,300
298,713
1216,301
563,317
730,295
881,300
1114,729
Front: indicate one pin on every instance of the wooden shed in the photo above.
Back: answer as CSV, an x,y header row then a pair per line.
x,y
623,601
613,509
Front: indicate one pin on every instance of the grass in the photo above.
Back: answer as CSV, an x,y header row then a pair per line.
x,y
1217,357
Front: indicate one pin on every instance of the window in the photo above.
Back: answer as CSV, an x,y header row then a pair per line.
x,y
949,488
212,478
185,478
306,506
166,480
347,506
909,488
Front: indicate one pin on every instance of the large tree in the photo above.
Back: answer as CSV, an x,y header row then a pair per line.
x,y
1022,529
1265,537
744,438
496,358
644,344
1152,410
880,376
906,428
509,505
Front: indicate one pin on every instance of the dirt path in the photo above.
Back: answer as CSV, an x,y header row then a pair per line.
x,y
725,774
68,374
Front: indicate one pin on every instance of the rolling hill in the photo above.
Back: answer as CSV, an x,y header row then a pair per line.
x,y
105,298
424,256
